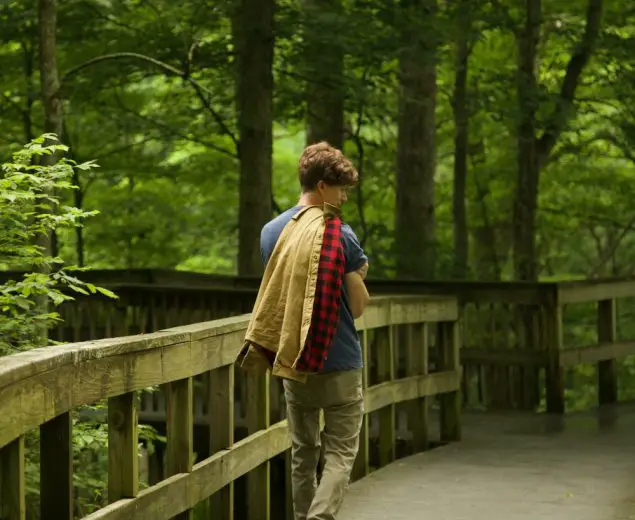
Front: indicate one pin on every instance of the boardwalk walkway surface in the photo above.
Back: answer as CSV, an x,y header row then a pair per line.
x,y
511,467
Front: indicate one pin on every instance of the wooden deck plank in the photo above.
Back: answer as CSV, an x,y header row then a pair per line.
x,y
510,467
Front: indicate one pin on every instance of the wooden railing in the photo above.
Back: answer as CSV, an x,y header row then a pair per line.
x,y
41,388
508,328
542,334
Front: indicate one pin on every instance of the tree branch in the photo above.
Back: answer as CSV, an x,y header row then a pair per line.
x,y
200,89
174,132
577,62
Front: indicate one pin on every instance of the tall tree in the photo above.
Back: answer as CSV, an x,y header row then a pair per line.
x,y
253,35
324,59
50,87
534,151
415,226
461,139
53,117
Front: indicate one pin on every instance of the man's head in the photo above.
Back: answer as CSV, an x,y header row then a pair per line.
x,y
326,173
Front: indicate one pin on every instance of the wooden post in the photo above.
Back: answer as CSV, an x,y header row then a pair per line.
x,y
606,370
362,462
12,490
450,402
221,426
417,365
258,480
554,373
56,468
123,438
180,448
288,487
384,341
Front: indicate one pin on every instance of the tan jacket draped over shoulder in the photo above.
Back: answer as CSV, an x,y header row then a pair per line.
x,y
281,316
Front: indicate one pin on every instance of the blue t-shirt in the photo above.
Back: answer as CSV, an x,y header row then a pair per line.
x,y
345,352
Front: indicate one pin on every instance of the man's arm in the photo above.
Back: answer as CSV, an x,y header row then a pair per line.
x,y
355,272
358,296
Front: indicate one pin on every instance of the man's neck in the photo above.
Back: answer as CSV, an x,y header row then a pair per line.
x,y
310,199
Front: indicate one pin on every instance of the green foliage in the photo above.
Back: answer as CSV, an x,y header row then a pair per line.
x,y
30,194
167,192
31,206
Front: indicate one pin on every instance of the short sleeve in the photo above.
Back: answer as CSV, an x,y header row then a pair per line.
x,y
354,255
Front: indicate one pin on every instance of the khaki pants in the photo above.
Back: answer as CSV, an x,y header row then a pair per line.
x,y
340,395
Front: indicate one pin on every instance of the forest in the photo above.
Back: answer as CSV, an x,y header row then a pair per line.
x,y
493,140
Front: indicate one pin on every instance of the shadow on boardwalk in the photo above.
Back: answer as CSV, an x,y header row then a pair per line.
x,y
512,467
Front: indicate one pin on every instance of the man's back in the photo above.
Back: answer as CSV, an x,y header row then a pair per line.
x,y
325,176
345,352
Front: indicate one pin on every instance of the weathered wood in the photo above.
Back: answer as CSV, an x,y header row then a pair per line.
x,y
409,388
181,492
115,369
554,372
503,357
606,369
450,402
361,467
123,438
258,480
221,426
28,402
56,468
596,353
590,291
12,489
401,310
101,369
289,513
416,340
180,445
384,343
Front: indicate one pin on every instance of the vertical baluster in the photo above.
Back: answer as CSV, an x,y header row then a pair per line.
x,y
258,483
554,377
362,462
12,490
221,425
123,438
606,369
448,344
56,468
386,372
417,365
180,449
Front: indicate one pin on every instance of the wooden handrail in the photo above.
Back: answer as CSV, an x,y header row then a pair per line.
x,y
42,387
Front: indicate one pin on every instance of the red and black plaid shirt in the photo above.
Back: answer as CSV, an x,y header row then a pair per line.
x,y
326,307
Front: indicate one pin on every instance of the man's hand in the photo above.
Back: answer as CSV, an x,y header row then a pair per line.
x,y
363,271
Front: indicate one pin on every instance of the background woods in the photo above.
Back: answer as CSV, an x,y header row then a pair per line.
x,y
494,142
493,138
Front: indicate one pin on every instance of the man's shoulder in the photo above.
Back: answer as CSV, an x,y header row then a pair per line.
x,y
281,220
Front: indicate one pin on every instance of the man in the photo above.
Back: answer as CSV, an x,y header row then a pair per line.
x,y
325,176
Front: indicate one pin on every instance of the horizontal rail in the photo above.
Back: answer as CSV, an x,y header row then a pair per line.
x,y
183,491
594,353
592,290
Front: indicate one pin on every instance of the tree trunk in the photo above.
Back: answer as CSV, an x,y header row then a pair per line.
x,y
416,143
526,200
253,33
53,119
49,77
461,135
534,153
324,58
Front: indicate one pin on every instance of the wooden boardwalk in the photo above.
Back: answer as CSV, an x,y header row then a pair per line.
x,y
511,467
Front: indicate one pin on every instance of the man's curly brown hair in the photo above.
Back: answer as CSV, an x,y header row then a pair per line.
x,y
323,162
